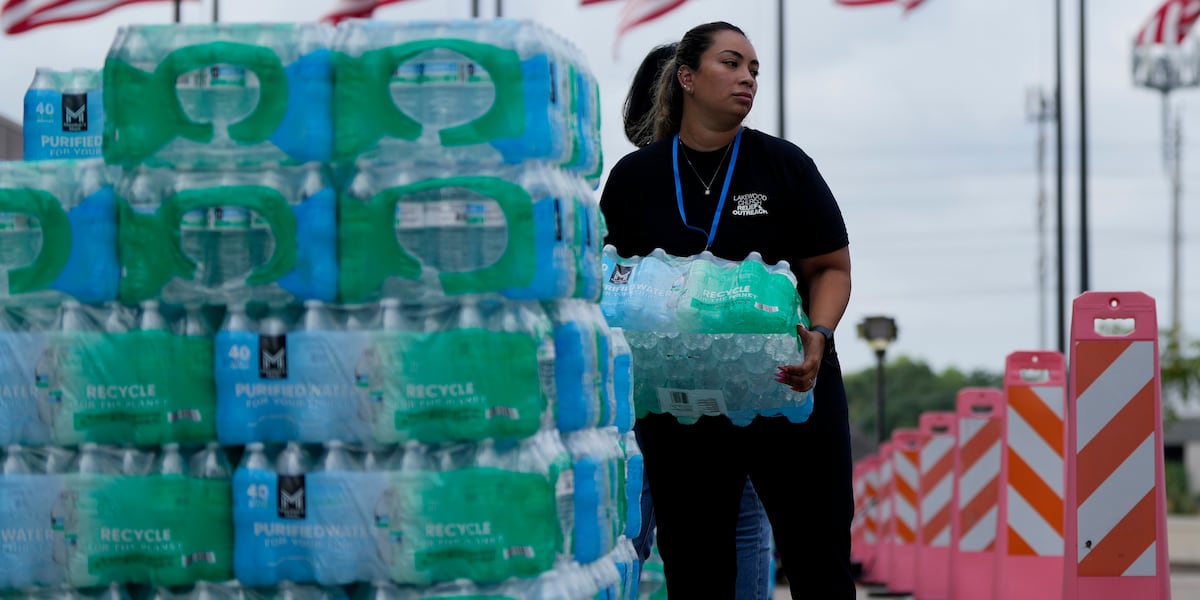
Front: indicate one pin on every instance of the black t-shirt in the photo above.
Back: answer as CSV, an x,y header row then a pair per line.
x,y
778,204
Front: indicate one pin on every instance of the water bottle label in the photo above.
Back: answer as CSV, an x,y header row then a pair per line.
x,y
482,524
322,393
291,501
319,527
229,75
59,126
691,403
429,396
25,406
343,505
171,540
142,387
272,357
267,548
410,215
26,535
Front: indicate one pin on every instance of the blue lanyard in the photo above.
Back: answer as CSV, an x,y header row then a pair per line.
x,y
712,231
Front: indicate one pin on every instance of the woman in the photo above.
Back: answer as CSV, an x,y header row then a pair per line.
x,y
703,181
753,534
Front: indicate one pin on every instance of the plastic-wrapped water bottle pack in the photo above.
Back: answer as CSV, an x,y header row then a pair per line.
x,y
706,334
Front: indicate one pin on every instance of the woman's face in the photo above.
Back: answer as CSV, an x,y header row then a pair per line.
x,y
726,80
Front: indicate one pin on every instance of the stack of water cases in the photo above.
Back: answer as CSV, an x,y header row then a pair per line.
x,y
706,334
450,416
110,471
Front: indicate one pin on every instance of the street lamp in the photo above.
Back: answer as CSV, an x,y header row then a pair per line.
x,y
879,332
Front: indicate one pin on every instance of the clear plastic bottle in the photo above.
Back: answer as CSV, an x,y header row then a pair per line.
x,y
229,243
194,322
210,463
170,461
15,462
254,494
151,319
116,320
272,346
135,463
317,317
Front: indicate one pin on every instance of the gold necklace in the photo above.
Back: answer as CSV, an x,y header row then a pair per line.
x,y
707,186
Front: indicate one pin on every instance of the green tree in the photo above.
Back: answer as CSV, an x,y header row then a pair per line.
x,y
911,387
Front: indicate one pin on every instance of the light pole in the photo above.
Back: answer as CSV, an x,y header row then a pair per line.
x,y
879,332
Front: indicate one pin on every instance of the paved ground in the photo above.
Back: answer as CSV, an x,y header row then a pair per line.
x,y
1183,546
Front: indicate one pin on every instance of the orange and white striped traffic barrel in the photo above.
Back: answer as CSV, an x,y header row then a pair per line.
x,y
1029,548
870,524
906,515
1116,540
976,492
883,549
938,430
858,523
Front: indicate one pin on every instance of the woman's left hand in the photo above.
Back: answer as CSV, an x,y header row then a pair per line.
x,y
802,377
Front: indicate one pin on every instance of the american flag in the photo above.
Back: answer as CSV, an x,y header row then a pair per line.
x,y
907,4
1169,24
637,12
17,16
355,9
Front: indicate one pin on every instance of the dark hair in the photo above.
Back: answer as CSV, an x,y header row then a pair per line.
x,y
654,105
639,103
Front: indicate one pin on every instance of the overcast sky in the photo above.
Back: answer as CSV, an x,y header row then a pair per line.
x,y
919,125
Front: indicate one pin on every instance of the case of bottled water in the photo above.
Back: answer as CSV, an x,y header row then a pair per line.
x,y
465,371
107,374
386,373
483,512
632,486
64,115
705,334
307,514
590,230
599,465
58,231
28,490
293,375
429,231
417,514
699,294
577,364
73,511
465,91
228,236
203,94
622,380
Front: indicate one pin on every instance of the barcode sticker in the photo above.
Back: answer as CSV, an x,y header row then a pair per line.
x,y
691,403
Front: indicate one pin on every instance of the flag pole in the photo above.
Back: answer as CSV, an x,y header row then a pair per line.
x,y
1084,283
782,88
216,17
177,9
1058,193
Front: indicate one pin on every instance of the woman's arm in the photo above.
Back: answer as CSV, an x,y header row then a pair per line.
x,y
828,277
